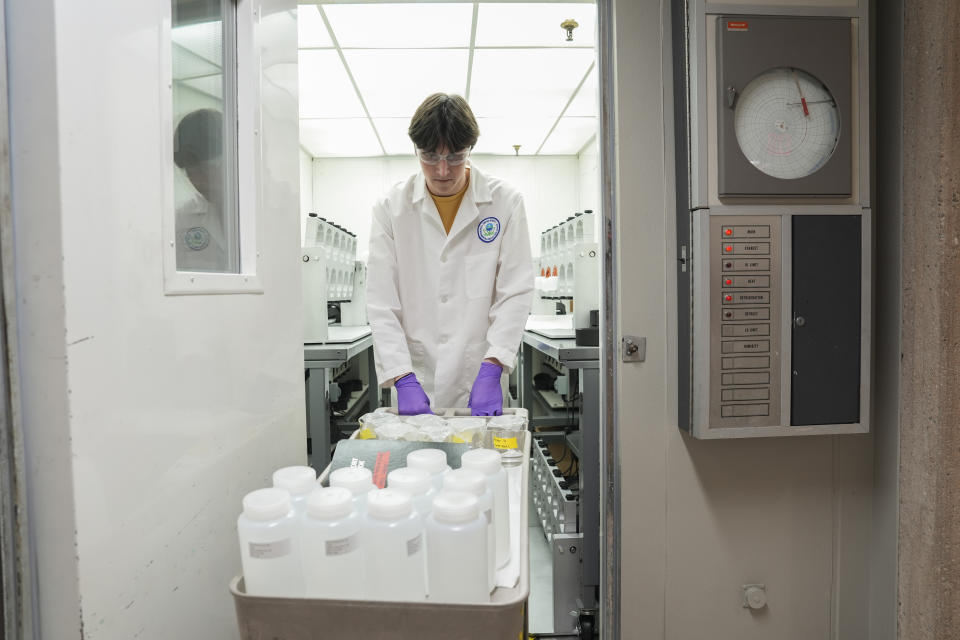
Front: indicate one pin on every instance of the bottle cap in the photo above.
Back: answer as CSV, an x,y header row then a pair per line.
x,y
266,504
389,504
410,479
330,504
486,461
297,480
357,480
455,507
466,480
433,460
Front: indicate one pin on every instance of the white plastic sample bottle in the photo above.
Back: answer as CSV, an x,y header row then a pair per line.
x,y
269,544
417,483
393,548
475,483
299,481
433,460
331,545
487,462
457,549
359,480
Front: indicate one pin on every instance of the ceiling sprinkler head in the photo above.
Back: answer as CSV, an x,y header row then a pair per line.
x,y
569,25
516,149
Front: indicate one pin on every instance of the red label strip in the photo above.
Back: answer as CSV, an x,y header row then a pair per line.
x,y
380,469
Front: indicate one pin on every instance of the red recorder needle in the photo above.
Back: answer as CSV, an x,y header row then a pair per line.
x,y
803,101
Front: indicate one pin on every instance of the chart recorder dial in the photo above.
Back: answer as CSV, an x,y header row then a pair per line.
x,y
786,122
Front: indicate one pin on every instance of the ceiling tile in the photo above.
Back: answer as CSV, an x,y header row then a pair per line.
x,y
527,82
586,102
310,28
393,134
498,135
401,25
339,138
569,136
394,82
511,24
325,88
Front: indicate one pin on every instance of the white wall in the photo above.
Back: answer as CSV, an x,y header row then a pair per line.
x,y
588,177
345,189
146,416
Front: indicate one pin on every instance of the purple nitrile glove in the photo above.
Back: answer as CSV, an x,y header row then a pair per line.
x,y
412,400
486,397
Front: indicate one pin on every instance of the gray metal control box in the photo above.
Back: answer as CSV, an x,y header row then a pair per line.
x,y
774,222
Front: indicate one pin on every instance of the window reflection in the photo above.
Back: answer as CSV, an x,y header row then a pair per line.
x,y
204,141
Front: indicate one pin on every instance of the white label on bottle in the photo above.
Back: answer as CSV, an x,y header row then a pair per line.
x,y
414,544
268,550
343,545
489,515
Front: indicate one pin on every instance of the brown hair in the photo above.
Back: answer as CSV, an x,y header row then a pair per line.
x,y
444,120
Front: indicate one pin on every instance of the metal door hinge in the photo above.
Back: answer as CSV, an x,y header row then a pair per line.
x,y
633,349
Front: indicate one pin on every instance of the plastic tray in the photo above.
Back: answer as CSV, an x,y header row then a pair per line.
x,y
503,618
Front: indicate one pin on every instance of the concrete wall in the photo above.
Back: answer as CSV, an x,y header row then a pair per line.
x,y
929,549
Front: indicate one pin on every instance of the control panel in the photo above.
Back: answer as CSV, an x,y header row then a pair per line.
x,y
745,303
774,220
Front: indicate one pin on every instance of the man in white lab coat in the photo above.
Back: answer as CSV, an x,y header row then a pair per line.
x,y
449,278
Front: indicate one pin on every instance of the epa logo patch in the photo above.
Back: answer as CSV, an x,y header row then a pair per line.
x,y
488,229
197,238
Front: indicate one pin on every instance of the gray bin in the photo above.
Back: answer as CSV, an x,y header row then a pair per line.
x,y
503,618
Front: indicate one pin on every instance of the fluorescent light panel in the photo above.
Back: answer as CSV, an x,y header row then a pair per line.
x,y
534,24
311,30
393,135
325,88
395,81
569,136
498,135
586,102
528,82
204,39
401,25
339,138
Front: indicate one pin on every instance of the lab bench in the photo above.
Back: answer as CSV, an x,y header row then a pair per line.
x,y
348,353
576,575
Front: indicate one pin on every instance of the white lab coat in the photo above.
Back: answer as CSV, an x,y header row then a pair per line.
x,y
440,304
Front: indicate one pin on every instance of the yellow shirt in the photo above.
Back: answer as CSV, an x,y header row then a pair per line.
x,y
447,206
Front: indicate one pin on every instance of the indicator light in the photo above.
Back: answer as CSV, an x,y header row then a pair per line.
x,y
728,281
728,248
728,298
728,232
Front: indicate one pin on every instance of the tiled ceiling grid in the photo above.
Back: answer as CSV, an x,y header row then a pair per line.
x,y
365,67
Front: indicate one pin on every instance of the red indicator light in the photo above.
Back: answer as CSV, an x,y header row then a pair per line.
x,y
728,232
729,281
728,248
729,298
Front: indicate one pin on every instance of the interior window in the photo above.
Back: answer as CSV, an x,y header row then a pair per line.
x,y
205,135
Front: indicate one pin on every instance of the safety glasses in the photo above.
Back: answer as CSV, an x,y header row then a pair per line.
x,y
452,159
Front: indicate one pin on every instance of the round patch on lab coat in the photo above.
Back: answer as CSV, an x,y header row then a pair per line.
x,y
488,229
197,238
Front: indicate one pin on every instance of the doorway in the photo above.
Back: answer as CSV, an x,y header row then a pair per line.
x,y
530,73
